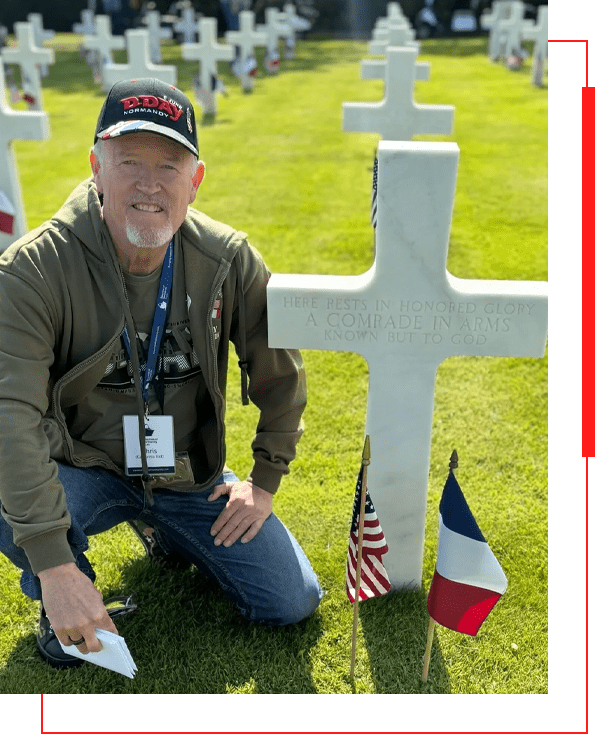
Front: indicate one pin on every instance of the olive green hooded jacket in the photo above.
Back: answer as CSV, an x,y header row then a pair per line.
x,y
62,307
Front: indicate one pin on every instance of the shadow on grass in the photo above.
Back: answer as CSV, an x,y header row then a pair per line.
x,y
190,626
395,631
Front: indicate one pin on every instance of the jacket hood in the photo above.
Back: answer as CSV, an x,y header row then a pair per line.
x,y
81,214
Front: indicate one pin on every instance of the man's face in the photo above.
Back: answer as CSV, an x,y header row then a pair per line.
x,y
146,182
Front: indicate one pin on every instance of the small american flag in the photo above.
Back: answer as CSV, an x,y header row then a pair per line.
x,y
374,213
374,580
216,310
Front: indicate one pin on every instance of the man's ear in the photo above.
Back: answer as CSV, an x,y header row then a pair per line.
x,y
199,175
96,168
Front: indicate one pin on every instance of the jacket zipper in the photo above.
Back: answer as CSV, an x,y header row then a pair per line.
x,y
68,377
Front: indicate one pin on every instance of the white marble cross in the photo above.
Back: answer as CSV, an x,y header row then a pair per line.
x,y
188,26
398,116
511,30
392,33
538,32
41,36
246,38
15,125
395,12
405,316
103,43
208,52
30,58
87,25
498,21
392,20
275,27
376,69
295,23
139,65
498,11
392,36
157,33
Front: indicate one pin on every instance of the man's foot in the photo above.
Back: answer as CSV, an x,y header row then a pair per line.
x,y
159,556
49,646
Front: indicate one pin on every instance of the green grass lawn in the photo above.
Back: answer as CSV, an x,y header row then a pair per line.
x,y
280,168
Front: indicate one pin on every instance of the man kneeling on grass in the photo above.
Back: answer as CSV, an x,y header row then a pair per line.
x,y
115,323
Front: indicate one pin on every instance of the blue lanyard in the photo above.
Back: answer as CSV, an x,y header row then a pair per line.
x,y
158,322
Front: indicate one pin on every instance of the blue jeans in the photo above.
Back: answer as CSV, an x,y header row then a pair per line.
x,y
269,579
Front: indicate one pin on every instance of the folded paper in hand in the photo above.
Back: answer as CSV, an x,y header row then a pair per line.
x,y
114,655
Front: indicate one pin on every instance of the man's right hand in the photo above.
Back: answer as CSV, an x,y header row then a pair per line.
x,y
74,606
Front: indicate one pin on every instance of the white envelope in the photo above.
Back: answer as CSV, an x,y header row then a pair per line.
x,y
114,655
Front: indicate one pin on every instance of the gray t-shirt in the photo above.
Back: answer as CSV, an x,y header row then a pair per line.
x,y
179,379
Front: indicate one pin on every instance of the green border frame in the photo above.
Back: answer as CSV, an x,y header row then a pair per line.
x,y
563,708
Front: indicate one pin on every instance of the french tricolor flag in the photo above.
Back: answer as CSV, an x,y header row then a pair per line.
x,y
7,213
468,579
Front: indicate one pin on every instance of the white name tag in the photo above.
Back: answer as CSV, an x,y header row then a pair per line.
x,y
160,447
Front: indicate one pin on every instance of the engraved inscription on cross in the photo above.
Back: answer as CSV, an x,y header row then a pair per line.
x,y
208,52
398,116
405,316
15,125
30,58
139,65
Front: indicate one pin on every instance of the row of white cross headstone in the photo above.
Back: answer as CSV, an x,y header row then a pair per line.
x,y
508,29
33,124
407,313
98,44
397,116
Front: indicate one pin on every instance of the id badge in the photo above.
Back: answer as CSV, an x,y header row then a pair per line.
x,y
159,445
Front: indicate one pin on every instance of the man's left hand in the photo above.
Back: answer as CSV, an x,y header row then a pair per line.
x,y
244,514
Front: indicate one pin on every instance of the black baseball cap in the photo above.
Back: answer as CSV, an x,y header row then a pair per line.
x,y
148,106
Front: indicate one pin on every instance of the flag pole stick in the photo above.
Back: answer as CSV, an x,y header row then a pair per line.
x,y
360,540
454,463
431,625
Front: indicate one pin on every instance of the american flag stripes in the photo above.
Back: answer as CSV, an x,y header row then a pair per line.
x,y
374,213
374,580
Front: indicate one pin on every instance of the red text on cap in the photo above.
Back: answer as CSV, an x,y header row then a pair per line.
x,y
157,103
